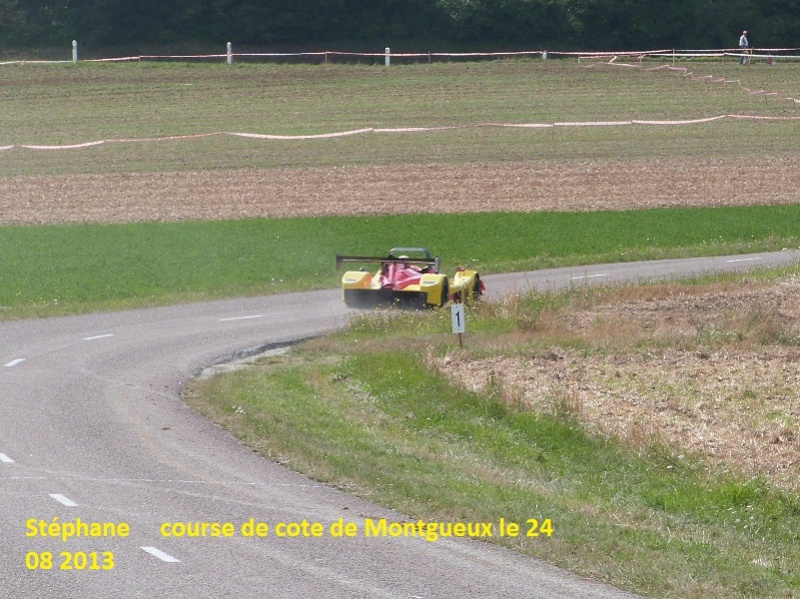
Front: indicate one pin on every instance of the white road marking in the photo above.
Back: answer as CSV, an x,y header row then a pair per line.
x,y
731,261
63,500
241,318
576,277
164,557
98,337
13,363
4,458
153,481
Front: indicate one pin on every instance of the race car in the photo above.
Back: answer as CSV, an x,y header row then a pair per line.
x,y
406,277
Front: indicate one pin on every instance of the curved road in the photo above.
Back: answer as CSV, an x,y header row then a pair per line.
x,y
97,453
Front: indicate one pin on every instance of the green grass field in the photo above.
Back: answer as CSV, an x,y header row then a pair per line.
x,y
76,268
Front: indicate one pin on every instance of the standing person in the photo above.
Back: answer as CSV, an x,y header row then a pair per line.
x,y
743,46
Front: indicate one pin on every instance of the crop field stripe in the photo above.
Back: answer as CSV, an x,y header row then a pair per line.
x,y
266,136
470,111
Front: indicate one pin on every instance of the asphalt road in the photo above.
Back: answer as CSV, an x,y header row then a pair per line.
x,y
100,459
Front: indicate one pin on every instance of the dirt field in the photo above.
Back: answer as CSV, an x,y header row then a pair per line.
x,y
711,370
514,187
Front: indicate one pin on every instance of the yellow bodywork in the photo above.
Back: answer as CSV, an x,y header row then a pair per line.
x,y
432,290
362,289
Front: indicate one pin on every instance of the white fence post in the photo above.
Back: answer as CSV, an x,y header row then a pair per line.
x,y
230,53
74,51
388,57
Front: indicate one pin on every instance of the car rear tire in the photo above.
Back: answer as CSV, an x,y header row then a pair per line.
x,y
445,293
476,288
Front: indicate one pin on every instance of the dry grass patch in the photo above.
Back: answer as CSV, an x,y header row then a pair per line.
x,y
712,369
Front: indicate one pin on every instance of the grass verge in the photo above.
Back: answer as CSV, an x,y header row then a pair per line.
x,y
368,411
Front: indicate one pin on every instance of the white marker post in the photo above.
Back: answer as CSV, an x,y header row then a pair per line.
x,y
388,60
74,51
459,323
230,53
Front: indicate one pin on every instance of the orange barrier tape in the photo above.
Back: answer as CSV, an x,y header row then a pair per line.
x,y
689,75
580,55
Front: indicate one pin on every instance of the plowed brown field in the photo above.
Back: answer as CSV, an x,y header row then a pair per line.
x,y
363,190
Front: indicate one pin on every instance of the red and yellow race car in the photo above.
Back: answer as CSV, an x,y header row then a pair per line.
x,y
407,277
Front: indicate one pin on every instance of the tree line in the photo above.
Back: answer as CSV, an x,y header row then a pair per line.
x,y
412,25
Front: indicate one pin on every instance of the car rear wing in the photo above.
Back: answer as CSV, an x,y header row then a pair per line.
x,y
393,258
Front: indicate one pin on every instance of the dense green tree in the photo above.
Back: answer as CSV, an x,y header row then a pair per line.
x,y
12,20
424,24
535,24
